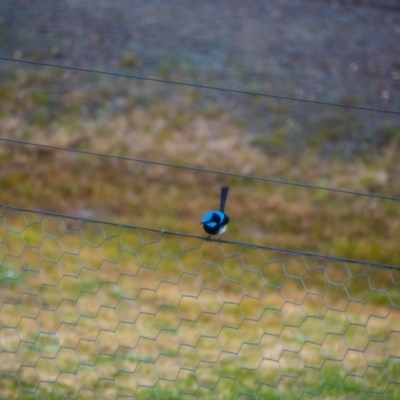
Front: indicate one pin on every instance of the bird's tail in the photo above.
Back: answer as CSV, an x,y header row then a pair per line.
x,y
224,195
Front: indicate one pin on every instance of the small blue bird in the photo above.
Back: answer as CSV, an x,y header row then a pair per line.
x,y
215,222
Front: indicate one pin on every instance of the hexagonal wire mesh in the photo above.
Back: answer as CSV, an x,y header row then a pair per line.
x,y
95,310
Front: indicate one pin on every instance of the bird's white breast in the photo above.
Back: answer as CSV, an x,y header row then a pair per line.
x,y
222,229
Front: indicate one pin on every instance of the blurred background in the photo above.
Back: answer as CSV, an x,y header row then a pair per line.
x,y
96,97
341,52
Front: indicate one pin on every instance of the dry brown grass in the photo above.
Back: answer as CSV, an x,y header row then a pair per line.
x,y
94,310
136,193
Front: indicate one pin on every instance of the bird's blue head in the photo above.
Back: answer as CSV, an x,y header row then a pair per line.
x,y
215,222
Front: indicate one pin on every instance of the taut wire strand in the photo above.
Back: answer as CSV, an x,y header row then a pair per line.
x,y
200,86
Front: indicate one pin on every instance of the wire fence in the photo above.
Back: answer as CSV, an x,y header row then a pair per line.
x,y
198,169
93,310
199,86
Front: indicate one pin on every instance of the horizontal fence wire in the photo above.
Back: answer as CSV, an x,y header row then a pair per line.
x,y
199,86
203,170
93,310
209,239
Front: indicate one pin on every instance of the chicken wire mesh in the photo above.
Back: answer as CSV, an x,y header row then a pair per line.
x,y
93,310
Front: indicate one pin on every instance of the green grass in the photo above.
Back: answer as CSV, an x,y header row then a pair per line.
x,y
93,310
198,322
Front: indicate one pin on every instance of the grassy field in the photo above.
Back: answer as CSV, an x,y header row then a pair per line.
x,y
97,311
187,127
